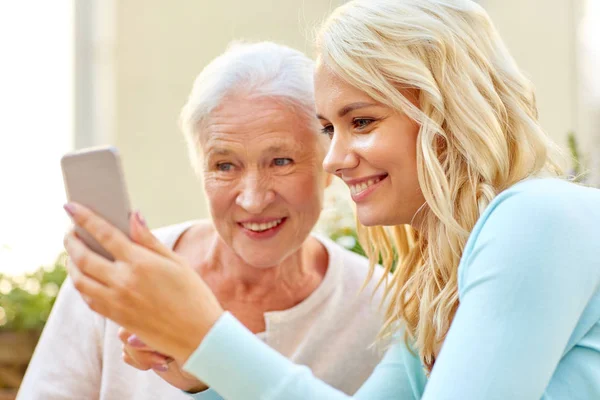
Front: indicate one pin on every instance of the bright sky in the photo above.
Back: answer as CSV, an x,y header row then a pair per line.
x,y
36,76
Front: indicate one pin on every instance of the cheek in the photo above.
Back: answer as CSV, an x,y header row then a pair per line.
x,y
393,150
219,196
303,193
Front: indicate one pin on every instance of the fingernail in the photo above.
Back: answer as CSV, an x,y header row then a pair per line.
x,y
134,341
69,208
160,367
140,219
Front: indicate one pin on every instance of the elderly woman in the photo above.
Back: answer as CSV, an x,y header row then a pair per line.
x,y
252,133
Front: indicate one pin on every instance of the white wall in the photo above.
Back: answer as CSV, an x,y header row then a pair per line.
x,y
556,43
158,47
540,34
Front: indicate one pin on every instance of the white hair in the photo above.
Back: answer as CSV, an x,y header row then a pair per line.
x,y
251,70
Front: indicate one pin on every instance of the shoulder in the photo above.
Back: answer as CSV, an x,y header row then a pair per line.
x,y
543,206
170,234
553,198
541,227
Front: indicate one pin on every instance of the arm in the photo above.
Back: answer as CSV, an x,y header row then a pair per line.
x,y
229,356
230,359
527,276
144,358
67,363
529,272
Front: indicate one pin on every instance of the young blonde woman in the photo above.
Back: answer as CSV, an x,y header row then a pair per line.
x,y
435,130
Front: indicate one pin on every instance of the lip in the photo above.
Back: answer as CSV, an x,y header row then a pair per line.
x,y
361,196
268,234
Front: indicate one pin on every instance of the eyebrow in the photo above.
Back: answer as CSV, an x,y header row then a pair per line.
x,y
273,149
278,148
350,107
219,151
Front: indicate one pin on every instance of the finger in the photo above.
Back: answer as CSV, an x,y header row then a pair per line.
x,y
88,262
132,342
135,342
109,237
133,362
160,363
92,292
123,335
143,236
145,359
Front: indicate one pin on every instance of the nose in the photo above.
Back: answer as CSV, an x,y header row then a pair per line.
x,y
340,156
256,194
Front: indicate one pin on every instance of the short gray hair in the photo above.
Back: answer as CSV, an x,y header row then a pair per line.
x,y
262,69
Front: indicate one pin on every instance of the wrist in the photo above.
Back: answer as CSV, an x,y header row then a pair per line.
x,y
197,388
196,336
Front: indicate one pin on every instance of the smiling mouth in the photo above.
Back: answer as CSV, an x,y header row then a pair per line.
x,y
361,187
261,227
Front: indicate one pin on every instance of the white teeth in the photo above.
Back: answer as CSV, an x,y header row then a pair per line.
x,y
261,227
359,187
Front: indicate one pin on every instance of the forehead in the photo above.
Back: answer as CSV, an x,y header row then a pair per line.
x,y
332,90
256,122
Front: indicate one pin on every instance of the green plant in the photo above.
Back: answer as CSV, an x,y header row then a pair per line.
x,y
337,219
26,301
348,238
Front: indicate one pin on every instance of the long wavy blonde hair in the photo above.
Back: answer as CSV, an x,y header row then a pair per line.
x,y
479,135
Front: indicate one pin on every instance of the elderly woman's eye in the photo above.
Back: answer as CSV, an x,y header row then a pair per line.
x,y
225,167
280,162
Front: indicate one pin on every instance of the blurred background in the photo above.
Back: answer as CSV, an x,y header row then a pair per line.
x,y
79,73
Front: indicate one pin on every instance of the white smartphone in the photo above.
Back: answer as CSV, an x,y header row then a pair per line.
x,y
94,178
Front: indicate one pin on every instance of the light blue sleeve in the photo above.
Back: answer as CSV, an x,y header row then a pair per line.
x,y
527,274
208,394
236,364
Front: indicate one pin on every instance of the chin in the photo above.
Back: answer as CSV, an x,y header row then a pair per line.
x,y
379,217
367,218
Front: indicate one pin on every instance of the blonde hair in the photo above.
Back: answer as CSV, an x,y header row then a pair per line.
x,y
479,135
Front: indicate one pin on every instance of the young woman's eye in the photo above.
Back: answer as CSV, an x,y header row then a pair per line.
x,y
327,130
281,162
225,167
362,123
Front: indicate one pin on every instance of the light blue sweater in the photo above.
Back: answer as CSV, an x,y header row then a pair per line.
x,y
528,324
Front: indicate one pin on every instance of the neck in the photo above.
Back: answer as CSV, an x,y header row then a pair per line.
x,y
294,278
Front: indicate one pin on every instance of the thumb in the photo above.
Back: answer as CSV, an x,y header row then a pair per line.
x,y
141,235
